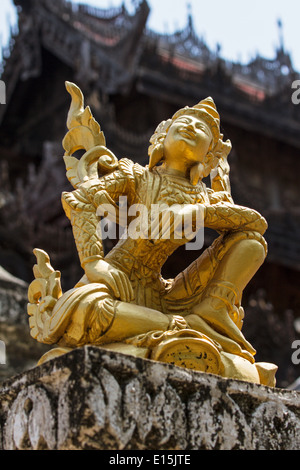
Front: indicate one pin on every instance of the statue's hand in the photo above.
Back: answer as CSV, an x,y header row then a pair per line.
x,y
102,272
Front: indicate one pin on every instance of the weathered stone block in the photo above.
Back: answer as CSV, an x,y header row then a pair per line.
x,y
92,398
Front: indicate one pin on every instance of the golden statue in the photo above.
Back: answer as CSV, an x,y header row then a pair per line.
x,y
122,302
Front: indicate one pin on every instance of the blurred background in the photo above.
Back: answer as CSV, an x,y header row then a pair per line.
x,y
137,62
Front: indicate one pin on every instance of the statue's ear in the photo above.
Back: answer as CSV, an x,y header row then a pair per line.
x,y
206,171
196,173
156,156
210,162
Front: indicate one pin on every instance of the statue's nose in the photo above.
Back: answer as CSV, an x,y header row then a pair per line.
x,y
191,128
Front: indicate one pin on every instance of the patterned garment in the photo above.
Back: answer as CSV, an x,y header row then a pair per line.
x,y
142,259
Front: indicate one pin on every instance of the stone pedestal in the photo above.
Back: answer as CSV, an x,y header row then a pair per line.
x,y
92,398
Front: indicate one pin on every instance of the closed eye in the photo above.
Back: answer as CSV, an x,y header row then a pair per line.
x,y
202,128
185,120
199,125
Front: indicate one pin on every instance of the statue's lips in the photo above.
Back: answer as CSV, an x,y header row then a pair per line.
x,y
187,134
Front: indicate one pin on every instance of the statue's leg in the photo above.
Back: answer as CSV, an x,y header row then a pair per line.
x,y
220,302
131,320
89,314
115,321
240,263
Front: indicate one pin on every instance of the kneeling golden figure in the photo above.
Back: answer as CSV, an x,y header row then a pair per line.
x,y
122,302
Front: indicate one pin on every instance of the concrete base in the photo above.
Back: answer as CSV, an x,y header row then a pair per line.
x,y
93,398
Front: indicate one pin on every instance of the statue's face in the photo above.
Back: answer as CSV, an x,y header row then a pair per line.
x,y
188,138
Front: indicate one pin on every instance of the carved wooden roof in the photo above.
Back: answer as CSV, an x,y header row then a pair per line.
x,y
110,52
110,49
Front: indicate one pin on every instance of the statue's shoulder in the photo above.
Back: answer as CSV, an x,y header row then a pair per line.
x,y
219,196
130,168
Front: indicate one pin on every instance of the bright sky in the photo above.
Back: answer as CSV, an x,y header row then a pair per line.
x,y
243,28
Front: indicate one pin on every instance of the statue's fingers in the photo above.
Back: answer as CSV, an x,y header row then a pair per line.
x,y
122,287
129,288
125,296
114,286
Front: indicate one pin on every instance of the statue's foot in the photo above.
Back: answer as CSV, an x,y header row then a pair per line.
x,y
236,367
219,310
52,354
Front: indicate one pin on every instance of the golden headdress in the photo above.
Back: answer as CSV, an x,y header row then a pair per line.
x,y
206,110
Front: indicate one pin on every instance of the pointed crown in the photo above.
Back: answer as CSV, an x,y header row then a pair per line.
x,y
206,110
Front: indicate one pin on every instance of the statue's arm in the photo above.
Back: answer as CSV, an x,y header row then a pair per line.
x,y
219,196
83,205
81,208
231,217
82,215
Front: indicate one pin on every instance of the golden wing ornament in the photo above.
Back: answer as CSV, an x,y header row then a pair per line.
x,y
85,134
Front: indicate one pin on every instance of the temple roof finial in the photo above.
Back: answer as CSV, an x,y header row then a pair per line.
x,y
280,32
